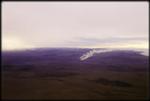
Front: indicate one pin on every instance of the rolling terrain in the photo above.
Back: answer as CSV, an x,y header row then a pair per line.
x,y
58,73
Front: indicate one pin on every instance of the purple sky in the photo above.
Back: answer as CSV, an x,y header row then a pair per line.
x,y
74,24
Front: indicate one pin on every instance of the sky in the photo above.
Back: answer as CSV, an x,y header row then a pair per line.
x,y
75,25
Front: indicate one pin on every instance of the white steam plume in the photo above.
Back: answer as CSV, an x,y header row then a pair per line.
x,y
96,51
91,53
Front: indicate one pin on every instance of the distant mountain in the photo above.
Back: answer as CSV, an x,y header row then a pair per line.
x,y
116,60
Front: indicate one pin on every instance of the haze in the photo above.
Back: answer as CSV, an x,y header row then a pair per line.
x,y
74,24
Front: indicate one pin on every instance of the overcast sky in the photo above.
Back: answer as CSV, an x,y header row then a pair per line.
x,y
74,24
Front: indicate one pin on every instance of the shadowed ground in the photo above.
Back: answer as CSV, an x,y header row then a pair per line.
x,y
59,74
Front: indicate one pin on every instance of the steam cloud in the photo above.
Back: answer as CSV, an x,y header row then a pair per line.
x,y
97,51
92,52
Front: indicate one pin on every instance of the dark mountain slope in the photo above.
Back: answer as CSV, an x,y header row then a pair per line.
x,y
70,58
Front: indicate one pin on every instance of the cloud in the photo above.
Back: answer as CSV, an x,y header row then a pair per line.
x,y
14,43
115,41
76,24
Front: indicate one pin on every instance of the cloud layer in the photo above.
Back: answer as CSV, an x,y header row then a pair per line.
x,y
75,24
